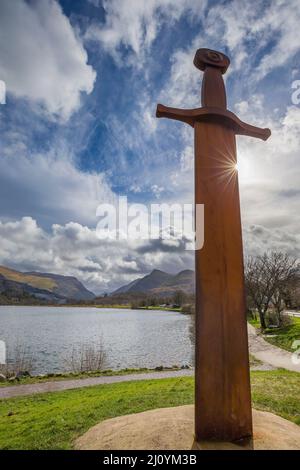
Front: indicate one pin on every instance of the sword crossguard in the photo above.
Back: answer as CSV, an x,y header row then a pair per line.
x,y
213,97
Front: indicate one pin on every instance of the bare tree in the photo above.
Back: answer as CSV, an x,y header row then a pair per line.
x,y
86,358
20,362
267,278
259,285
287,277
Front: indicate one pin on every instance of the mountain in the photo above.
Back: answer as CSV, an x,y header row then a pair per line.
x,y
145,284
161,283
47,286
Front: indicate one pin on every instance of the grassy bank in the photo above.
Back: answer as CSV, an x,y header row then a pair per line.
x,y
82,375
129,307
282,337
54,420
254,362
164,309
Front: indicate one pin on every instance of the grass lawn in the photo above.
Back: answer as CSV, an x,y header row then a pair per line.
x,y
285,336
282,337
54,420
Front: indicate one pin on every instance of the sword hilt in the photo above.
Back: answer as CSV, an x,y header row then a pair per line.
x,y
214,64
214,109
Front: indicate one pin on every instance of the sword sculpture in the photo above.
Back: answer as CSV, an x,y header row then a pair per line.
x,y
222,383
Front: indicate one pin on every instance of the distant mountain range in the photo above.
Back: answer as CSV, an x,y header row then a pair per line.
x,y
161,283
44,286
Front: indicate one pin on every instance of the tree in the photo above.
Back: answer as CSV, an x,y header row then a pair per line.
x,y
287,277
267,278
179,297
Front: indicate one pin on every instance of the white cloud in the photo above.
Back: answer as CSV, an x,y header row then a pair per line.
x,y
259,239
183,87
234,25
135,24
269,175
74,249
41,59
240,22
283,18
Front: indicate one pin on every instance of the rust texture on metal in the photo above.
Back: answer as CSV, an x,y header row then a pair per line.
x,y
222,383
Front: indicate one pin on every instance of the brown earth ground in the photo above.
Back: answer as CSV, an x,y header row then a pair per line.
x,y
172,428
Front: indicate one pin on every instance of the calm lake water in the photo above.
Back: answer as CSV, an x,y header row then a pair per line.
x,y
131,338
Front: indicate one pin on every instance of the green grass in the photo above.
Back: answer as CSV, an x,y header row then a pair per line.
x,y
54,420
164,309
282,337
254,322
285,336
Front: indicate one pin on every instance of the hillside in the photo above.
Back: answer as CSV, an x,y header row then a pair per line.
x,y
161,283
48,286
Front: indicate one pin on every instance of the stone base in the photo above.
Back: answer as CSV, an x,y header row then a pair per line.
x,y
172,429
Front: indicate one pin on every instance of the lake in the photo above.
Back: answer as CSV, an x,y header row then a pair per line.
x,y
131,338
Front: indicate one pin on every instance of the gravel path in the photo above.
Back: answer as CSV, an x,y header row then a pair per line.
x,y
270,354
55,386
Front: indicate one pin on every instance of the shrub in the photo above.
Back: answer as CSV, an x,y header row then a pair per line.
x,y
86,358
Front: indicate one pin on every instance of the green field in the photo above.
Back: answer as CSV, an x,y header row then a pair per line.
x,y
54,420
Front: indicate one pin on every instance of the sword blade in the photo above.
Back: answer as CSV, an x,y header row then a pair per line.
x,y
222,399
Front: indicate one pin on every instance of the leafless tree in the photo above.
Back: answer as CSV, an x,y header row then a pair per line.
x,y
20,361
267,278
86,358
287,278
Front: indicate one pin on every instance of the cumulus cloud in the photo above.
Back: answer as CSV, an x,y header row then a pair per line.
x,y
41,57
259,240
75,249
103,265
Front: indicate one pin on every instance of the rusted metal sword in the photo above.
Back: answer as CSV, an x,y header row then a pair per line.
x,y
222,384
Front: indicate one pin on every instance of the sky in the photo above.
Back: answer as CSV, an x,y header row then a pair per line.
x,y
78,129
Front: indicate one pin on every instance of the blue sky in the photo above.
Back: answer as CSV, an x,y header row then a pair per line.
x,y
83,79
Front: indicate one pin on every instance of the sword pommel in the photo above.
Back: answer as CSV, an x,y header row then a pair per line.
x,y
208,58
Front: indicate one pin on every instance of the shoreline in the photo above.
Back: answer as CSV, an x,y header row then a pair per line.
x,y
114,306
59,376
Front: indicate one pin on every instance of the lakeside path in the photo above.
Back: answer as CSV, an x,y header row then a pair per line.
x,y
55,386
270,354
